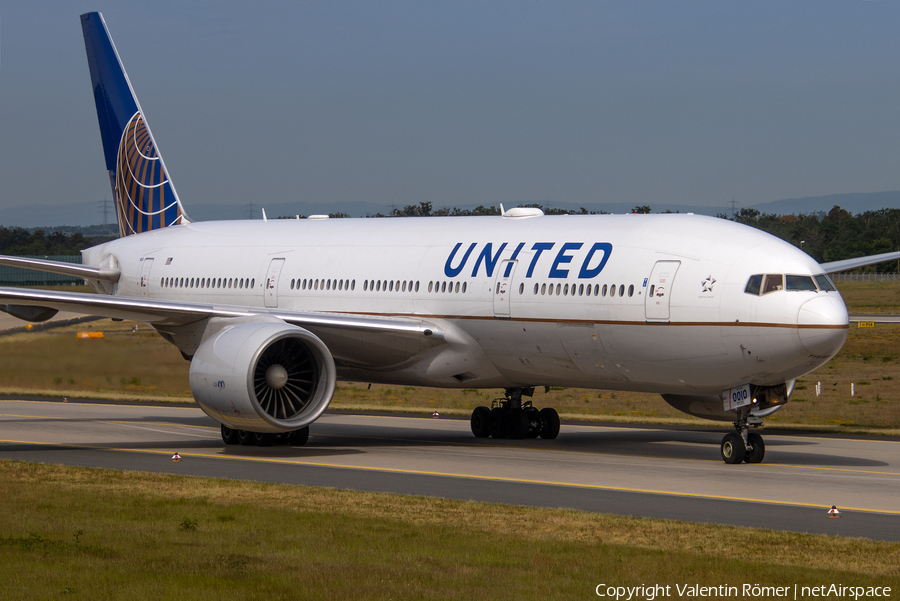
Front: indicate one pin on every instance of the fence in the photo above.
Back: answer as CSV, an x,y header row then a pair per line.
x,y
865,277
16,276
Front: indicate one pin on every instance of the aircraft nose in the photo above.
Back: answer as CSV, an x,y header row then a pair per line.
x,y
823,325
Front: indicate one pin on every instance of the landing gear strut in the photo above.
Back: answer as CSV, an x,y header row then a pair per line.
x,y
510,417
743,445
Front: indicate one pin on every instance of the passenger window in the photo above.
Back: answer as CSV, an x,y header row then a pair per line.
x,y
799,282
652,288
417,287
543,288
774,283
612,290
621,289
825,283
353,285
521,288
580,289
631,290
457,286
596,289
443,286
558,288
566,290
604,289
753,284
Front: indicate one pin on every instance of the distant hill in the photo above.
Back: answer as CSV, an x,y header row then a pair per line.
x,y
83,214
856,203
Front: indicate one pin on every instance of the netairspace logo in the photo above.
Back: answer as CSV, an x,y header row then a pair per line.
x,y
649,592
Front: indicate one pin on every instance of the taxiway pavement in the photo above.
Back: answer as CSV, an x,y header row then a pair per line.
x,y
654,471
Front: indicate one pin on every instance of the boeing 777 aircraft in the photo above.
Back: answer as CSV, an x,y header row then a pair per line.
x,y
717,317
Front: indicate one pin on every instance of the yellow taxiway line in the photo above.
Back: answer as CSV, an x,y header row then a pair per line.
x,y
456,475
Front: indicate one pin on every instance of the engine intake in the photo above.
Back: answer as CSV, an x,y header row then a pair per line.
x,y
263,376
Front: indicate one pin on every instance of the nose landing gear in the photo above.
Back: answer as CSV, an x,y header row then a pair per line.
x,y
743,445
510,417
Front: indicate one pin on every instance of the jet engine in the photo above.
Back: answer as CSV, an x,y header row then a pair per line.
x,y
263,376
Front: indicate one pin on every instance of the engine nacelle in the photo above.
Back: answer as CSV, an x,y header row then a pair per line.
x,y
263,376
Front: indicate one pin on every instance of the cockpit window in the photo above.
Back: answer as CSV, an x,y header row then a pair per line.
x,y
774,282
753,285
825,283
800,282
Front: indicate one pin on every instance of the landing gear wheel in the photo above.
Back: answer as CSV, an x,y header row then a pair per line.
x,y
229,436
299,437
247,439
265,439
733,448
497,420
757,450
534,422
549,423
481,422
517,424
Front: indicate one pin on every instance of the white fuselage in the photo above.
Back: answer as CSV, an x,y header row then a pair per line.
x,y
546,318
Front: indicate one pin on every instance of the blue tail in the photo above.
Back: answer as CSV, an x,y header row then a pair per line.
x,y
145,197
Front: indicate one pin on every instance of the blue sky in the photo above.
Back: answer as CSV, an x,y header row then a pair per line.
x,y
464,102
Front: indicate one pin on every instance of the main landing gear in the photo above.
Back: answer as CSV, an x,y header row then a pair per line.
x,y
295,438
744,445
509,417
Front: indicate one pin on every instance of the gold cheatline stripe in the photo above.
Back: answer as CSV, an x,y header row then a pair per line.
x,y
741,324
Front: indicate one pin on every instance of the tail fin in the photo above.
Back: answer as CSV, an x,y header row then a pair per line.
x,y
145,197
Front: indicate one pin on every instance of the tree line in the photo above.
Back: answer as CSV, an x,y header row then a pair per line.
x,y
835,235
18,241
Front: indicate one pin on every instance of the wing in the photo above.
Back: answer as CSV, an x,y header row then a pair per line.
x,y
355,340
836,266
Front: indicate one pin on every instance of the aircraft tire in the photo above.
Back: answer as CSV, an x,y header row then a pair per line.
x,y
264,439
481,422
733,448
550,423
498,423
534,422
759,448
516,424
247,439
299,437
229,436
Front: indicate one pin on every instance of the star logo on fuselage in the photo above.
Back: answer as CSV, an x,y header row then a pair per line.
x,y
708,284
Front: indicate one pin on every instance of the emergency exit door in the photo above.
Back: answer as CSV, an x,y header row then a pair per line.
x,y
271,285
659,290
503,288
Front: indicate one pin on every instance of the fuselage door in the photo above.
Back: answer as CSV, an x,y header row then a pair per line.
x,y
659,290
146,264
503,288
270,286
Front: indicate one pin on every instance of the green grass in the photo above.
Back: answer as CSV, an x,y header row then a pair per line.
x,y
86,533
